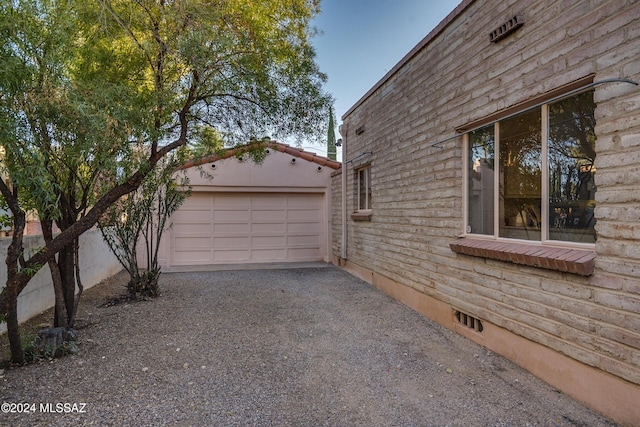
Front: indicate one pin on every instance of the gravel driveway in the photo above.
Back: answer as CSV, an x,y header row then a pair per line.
x,y
276,347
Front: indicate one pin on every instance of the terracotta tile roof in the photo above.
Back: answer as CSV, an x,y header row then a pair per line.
x,y
283,148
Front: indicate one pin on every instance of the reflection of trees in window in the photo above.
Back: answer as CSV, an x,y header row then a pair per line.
x,y
571,168
520,172
482,145
570,185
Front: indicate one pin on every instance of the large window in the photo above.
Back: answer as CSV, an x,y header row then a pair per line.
x,y
544,186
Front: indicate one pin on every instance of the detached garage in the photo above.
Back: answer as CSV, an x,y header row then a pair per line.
x,y
243,212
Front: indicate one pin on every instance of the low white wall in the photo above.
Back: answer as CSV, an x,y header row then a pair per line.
x,y
97,263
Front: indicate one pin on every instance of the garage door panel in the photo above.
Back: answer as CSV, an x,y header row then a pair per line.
x,y
192,243
268,228
268,241
221,229
231,256
268,200
303,240
243,242
269,254
193,216
248,227
266,216
198,201
231,215
184,229
231,201
191,257
303,228
299,215
302,200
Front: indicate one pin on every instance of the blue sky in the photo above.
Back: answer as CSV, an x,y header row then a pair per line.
x,y
362,40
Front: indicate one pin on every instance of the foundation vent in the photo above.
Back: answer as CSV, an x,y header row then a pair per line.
x,y
468,321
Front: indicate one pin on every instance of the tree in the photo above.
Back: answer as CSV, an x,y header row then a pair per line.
x,y
331,137
136,76
142,217
51,145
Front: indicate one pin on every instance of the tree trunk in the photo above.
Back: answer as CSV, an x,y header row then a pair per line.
x,y
76,263
67,274
13,332
14,252
60,315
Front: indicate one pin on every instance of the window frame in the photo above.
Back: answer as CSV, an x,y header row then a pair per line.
x,y
544,206
362,214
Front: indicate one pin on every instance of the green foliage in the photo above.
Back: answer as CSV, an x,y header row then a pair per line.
x,y
244,69
35,350
141,218
144,285
207,140
331,137
31,351
6,220
58,136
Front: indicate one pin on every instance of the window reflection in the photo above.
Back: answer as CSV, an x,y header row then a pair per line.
x,y
521,176
481,177
571,169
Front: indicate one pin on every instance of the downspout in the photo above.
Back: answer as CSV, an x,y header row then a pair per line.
x,y
343,242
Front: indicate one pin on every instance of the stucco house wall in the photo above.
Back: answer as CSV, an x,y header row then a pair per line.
x,y
579,332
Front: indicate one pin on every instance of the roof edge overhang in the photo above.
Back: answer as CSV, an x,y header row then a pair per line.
x,y
283,148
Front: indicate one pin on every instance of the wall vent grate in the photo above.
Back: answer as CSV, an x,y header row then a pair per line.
x,y
468,321
507,28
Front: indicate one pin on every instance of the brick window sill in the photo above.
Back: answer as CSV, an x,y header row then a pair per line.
x,y
361,215
577,261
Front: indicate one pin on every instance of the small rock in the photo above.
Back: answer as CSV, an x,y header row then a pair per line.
x,y
185,366
145,369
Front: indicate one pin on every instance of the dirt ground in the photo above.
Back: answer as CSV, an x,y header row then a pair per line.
x,y
103,293
279,347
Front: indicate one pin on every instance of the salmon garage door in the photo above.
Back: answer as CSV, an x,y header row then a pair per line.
x,y
218,228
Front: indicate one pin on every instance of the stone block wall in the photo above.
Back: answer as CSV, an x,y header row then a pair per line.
x,y
457,76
